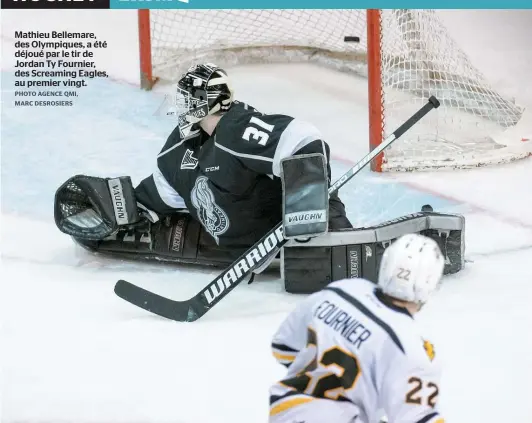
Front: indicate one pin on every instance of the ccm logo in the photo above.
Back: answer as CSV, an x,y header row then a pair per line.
x,y
212,169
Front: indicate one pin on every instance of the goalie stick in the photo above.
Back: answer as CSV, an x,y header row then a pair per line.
x,y
194,308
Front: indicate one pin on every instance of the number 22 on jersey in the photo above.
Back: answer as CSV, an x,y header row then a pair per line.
x,y
326,384
256,134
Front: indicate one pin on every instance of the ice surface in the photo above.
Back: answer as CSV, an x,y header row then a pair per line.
x,y
74,352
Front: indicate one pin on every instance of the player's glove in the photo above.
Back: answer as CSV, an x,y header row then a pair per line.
x,y
92,208
305,195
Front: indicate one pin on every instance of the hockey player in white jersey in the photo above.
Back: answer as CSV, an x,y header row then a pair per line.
x,y
355,349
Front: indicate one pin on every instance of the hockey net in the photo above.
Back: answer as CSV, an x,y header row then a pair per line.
x,y
407,55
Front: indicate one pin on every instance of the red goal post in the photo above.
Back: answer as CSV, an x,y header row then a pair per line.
x,y
406,56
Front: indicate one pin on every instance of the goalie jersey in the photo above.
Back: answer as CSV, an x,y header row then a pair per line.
x,y
229,181
350,344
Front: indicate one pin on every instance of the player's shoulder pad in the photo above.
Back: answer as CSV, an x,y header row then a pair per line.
x,y
402,329
420,350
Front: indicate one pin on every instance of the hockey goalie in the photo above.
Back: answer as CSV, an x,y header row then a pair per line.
x,y
226,175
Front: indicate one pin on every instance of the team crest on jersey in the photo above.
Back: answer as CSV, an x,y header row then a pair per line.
x,y
429,349
211,216
189,161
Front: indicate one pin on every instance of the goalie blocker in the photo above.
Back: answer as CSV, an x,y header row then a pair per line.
x,y
305,195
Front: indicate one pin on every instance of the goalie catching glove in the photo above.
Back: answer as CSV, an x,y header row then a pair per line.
x,y
93,208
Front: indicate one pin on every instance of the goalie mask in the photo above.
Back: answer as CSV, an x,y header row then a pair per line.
x,y
204,90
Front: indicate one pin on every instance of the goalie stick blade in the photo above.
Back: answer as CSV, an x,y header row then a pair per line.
x,y
181,311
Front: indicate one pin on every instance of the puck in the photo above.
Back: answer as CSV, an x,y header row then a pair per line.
x,y
351,38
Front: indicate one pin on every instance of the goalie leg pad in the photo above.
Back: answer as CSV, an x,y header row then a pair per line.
x,y
176,239
356,253
305,195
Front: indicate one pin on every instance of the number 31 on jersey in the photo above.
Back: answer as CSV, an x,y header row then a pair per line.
x,y
255,133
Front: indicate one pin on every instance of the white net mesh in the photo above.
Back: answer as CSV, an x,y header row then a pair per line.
x,y
418,56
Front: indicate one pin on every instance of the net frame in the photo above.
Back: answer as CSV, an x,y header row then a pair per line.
x,y
407,55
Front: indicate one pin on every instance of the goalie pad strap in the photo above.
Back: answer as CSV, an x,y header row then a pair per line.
x,y
305,195
357,253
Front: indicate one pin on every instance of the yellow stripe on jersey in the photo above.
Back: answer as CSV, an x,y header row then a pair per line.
x,y
286,405
284,356
283,353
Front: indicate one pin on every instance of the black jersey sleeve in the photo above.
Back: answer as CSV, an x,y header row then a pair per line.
x,y
260,141
157,192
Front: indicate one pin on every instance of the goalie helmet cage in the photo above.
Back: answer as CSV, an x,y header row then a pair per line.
x,y
406,56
